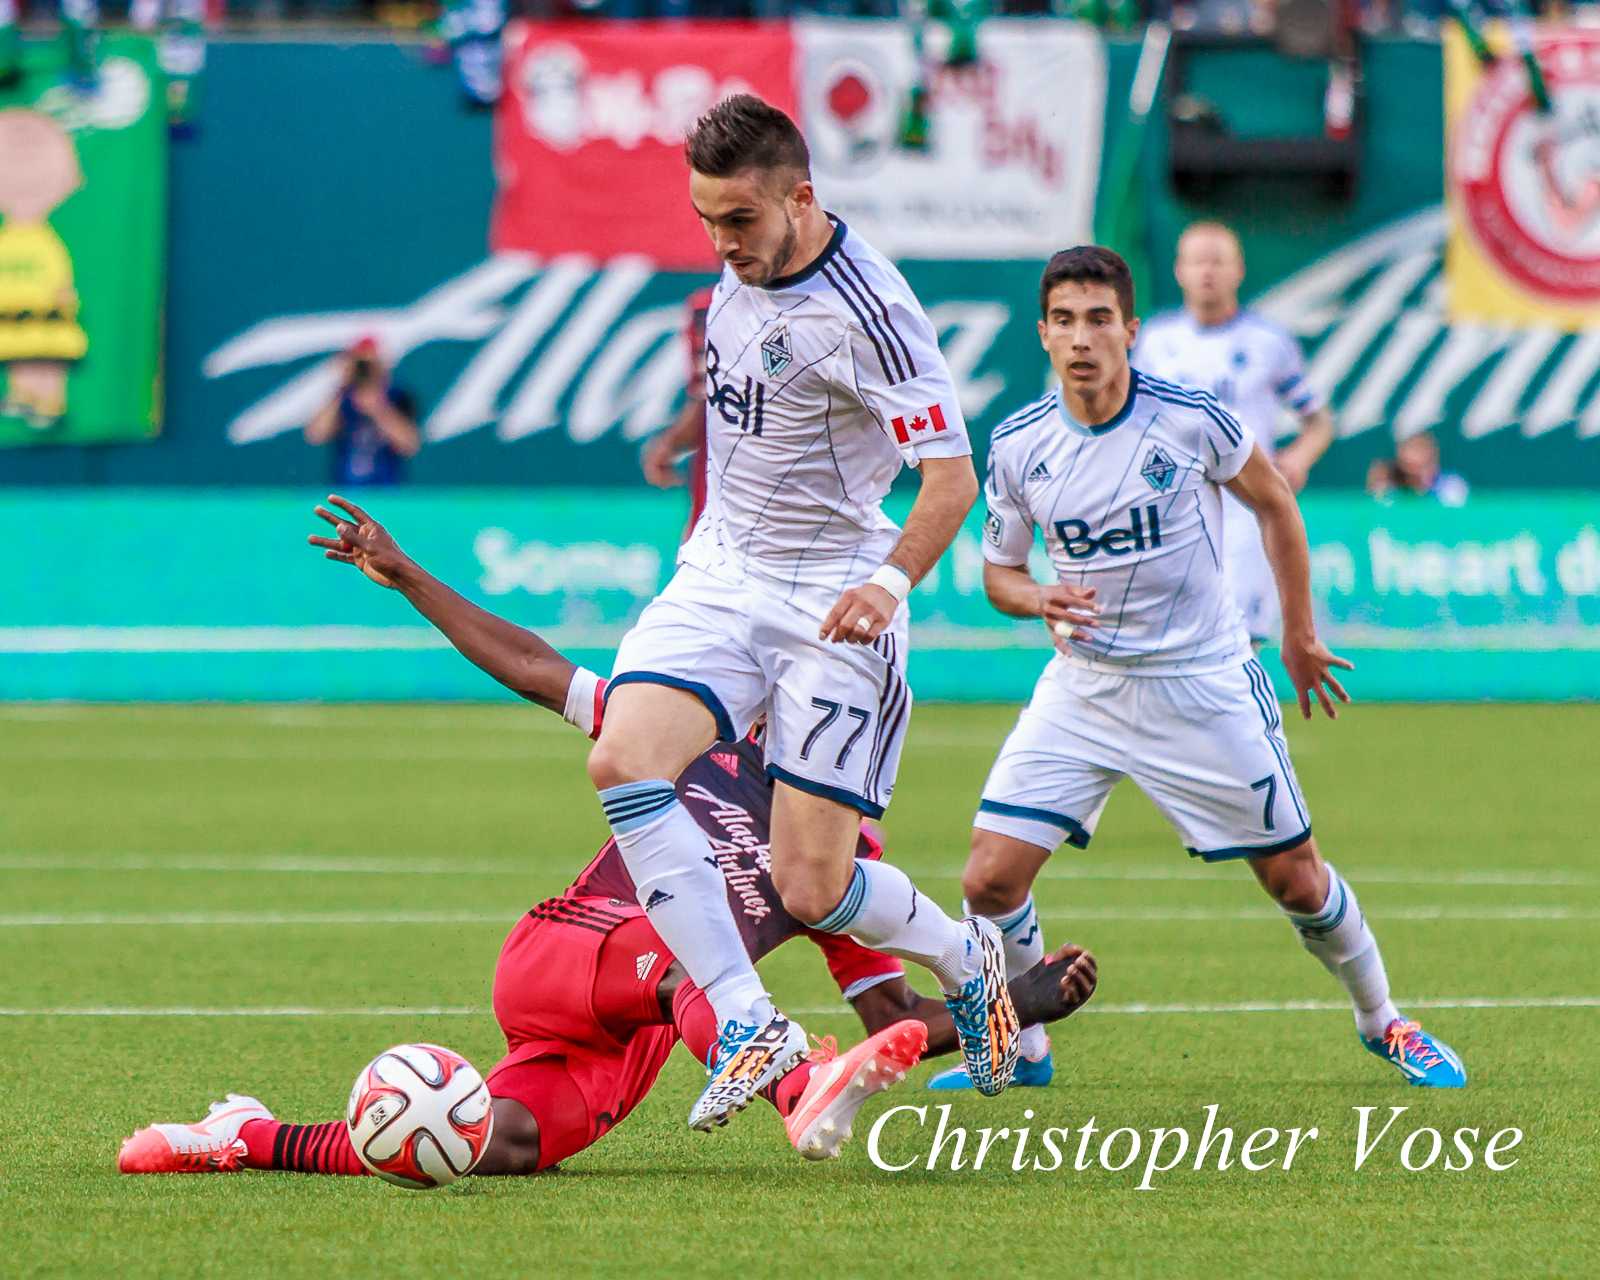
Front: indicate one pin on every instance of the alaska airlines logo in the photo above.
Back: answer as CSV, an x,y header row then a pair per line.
x,y
536,346
1143,533
743,857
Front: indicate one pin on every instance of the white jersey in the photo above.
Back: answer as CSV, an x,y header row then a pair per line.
x,y
1249,364
819,387
1132,508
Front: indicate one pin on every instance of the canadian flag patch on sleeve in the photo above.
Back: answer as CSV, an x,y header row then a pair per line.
x,y
929,422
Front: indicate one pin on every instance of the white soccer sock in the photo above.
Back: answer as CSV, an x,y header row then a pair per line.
x,y
1339,937
684,896
1024,940
883,910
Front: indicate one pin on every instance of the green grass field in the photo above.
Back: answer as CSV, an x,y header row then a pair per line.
x,y
1467,830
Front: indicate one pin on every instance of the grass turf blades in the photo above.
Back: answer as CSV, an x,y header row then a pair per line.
x,y
485,810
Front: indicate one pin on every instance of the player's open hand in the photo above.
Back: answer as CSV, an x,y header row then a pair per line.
x,y
657,462
1068,610
1078,982
361,541
860,615
1310,667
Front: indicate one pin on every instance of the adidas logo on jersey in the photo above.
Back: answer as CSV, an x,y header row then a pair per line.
x,y
656,899
644,964
1040,472
1143,533
729,763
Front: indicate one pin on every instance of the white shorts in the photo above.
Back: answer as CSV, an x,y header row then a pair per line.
x,y
1208,750
1248,574
836,713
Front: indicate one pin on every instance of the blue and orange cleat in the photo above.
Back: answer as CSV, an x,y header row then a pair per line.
x,y
986,1021
1420,1058
1030,1074
745,1060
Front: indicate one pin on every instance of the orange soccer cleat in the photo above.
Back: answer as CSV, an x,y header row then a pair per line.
x,y
212,1145
820,1123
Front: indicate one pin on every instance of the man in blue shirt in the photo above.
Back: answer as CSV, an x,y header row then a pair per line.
x,y
371,422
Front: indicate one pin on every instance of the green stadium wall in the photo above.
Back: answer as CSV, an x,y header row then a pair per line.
x,y
214,595
335,176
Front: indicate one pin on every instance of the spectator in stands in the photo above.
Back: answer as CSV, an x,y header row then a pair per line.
x,y
1415,469
371,422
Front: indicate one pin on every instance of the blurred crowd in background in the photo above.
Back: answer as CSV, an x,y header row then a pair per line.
x,y
1416,18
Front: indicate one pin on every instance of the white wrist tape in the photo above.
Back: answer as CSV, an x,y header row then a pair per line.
x,y
583,700
893,579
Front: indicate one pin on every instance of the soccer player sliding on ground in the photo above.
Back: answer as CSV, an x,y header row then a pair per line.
x,y
1156,679
590,998
823,378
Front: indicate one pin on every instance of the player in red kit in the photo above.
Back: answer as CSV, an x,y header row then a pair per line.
x,y
687,433
590,999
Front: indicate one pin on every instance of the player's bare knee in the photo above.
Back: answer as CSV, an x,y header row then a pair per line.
x,y
513,1149
991,884
1295,879
609,765
991,890
808,901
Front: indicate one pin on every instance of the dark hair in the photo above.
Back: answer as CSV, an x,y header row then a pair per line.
x,y
742,133
1088,264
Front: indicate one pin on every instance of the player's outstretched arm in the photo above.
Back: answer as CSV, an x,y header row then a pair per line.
x,y
949,488
1058,985
1283,535
513,655
1302,453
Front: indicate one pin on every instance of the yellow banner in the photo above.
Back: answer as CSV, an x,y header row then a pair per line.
x,y
1523,184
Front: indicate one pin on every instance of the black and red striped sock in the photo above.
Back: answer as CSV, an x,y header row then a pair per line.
x,y
301,1148
784,1092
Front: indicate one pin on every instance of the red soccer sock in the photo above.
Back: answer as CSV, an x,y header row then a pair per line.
x,y
691,1012
784,1092
300,1148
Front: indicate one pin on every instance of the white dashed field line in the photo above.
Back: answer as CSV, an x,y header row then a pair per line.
x,y
1122,915
1427,911
93,919
445,1011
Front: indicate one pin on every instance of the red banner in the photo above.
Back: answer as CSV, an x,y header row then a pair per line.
x,y
589,132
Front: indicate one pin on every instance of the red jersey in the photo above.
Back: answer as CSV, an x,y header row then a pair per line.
x,y
695,332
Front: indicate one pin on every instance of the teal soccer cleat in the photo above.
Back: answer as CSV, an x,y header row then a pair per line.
x,y
1028,1075
1420,1058
986,1020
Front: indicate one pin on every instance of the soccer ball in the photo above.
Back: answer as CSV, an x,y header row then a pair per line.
x,y
419,1116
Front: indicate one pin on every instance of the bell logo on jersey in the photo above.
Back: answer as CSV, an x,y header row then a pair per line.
x,y
744,408
930,420
1143,533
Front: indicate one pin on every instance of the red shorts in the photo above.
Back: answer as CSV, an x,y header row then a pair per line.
x,y
581,1057
576,994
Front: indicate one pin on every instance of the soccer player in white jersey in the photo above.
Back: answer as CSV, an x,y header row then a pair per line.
x,y
1156,679
1257,371
823,378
